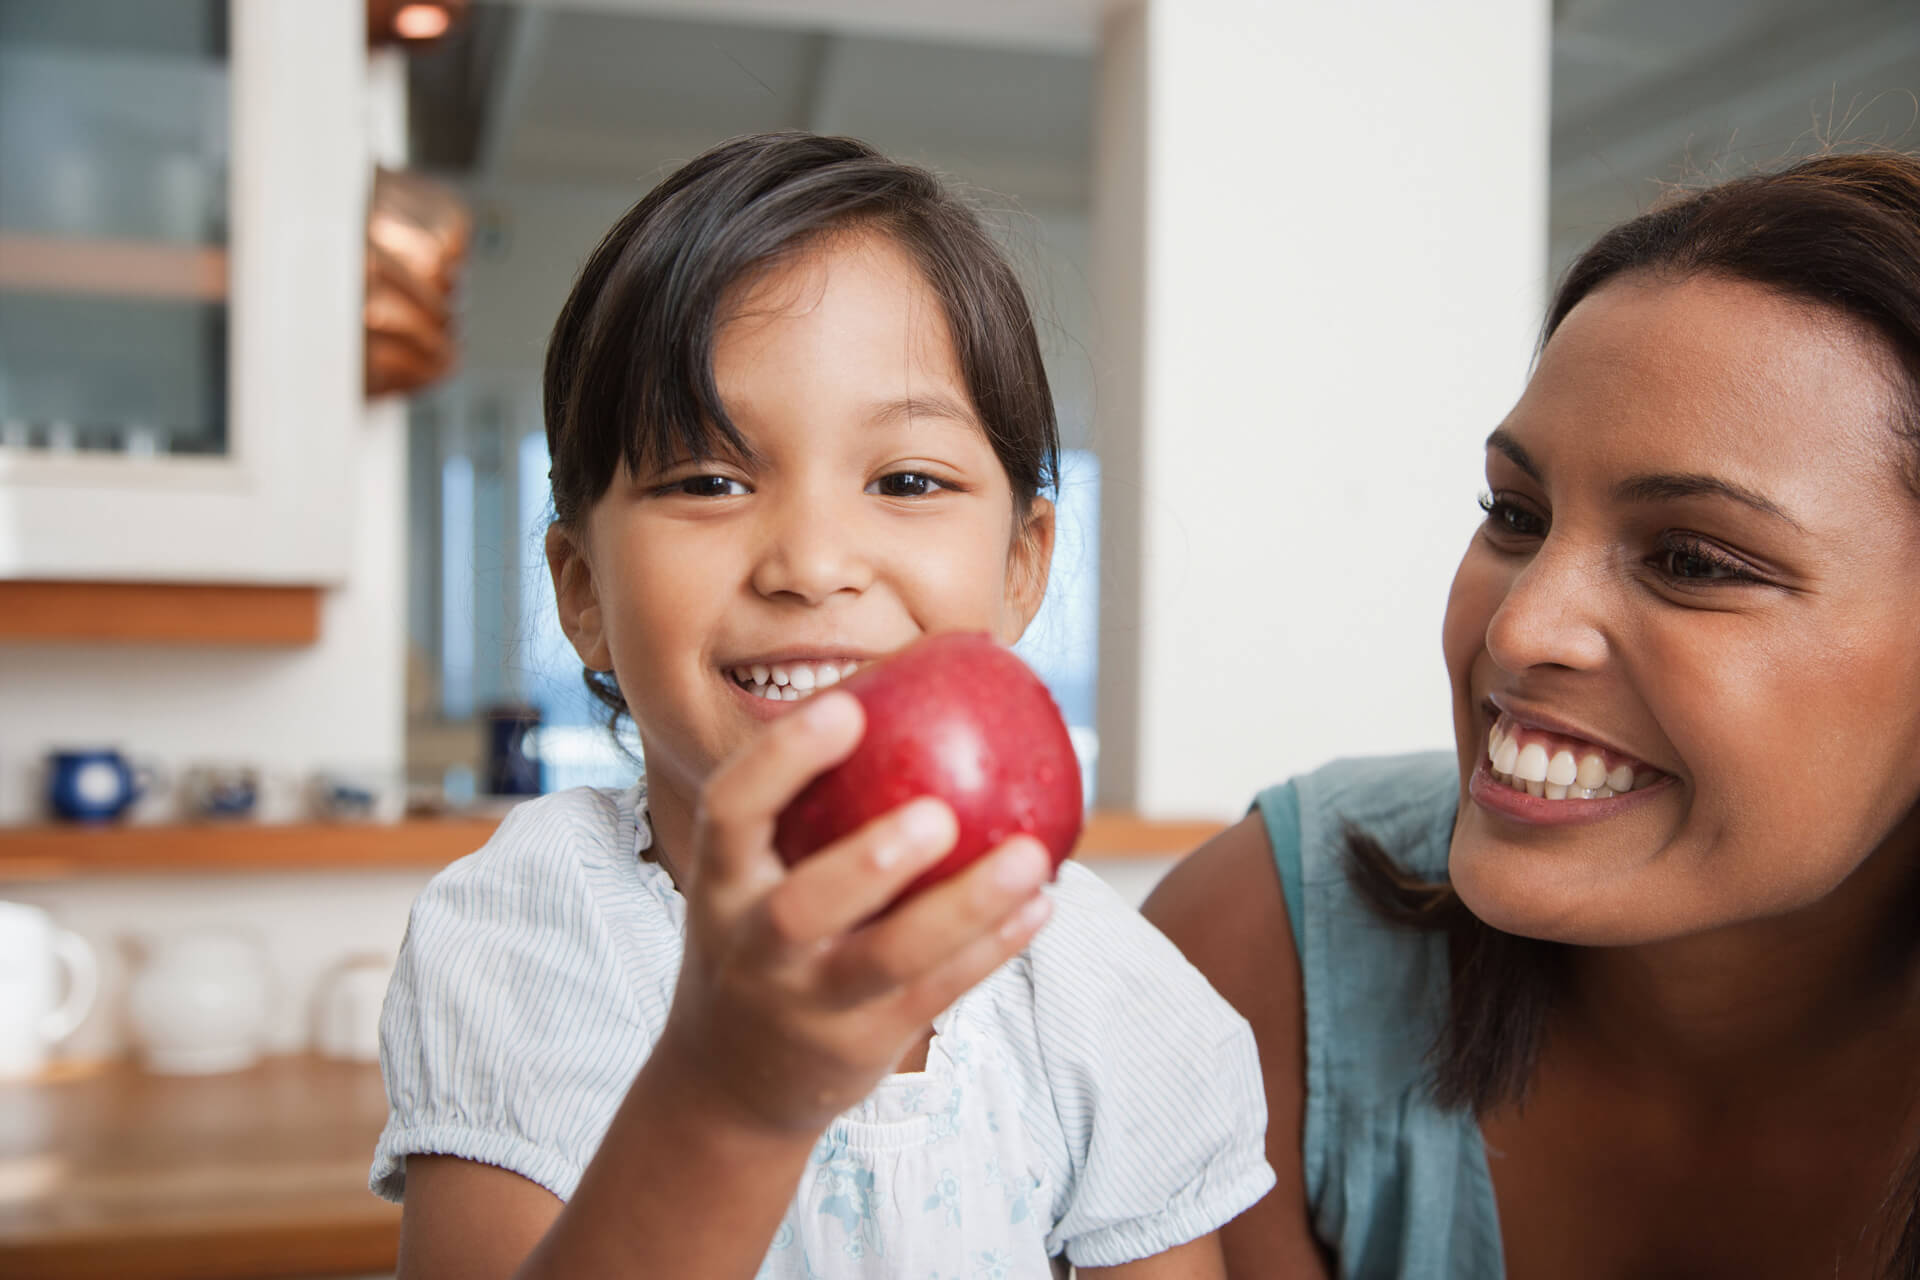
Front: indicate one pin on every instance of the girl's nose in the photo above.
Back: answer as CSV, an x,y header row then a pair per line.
x,y
810,550
1553,614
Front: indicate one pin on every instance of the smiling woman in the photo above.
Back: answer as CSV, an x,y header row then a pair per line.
x,y
1666,893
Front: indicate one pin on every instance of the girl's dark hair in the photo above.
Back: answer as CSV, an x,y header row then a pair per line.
x,y
629,369
1839,231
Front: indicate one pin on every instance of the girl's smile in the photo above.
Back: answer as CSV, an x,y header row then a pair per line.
x,y
775,680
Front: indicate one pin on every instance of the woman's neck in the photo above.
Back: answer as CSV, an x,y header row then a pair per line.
x,y
1769,1002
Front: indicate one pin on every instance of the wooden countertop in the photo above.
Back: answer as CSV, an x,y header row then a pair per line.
x,y
111,1172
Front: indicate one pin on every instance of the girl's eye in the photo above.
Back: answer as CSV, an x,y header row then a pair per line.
x,y
1691,560
1510,519
905,484
708,487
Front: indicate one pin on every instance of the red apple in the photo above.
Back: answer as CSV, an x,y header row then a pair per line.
x,y
958,717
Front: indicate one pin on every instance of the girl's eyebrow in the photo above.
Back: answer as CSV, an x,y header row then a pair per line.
x,y
1656,486
930,405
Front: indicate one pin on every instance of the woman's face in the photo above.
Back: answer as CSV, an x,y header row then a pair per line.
x,y
1692,619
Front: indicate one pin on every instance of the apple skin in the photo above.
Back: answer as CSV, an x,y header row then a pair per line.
x,y
958,717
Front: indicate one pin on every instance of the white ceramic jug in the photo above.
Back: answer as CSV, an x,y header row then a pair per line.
x,y
347,1008
33,1015
199,1004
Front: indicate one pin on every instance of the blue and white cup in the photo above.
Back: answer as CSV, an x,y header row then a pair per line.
x,y
95,784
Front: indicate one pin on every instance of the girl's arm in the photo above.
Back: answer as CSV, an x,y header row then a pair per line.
x,y
1195,1260
793,1001
1222,906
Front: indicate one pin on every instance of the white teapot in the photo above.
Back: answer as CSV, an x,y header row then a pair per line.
x,y
33,1015
199,1004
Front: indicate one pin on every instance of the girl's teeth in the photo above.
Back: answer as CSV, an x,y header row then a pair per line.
x,y
1561,771
789,682
1593,773
1505,757
1556,791
1621,779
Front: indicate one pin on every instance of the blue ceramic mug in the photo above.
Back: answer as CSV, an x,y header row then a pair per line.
x,y
96,785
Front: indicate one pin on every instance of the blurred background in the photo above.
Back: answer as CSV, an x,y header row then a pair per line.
x,y
276,639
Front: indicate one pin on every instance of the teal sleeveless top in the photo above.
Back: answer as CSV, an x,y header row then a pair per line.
x,y
1395,1185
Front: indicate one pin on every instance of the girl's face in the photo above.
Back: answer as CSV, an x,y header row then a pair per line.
x,y
873,511
1699,580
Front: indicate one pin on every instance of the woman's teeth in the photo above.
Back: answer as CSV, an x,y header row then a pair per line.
x,y
1554,768
790,681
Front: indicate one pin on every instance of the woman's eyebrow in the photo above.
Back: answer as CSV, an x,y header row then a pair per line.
x,y
1519,457
1666,486
1662,486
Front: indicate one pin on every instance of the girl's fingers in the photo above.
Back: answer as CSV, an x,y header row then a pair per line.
x,y
923,934
745,794
928,996
852,879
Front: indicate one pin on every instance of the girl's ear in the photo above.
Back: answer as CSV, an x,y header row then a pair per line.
x,y
577,598
1027,563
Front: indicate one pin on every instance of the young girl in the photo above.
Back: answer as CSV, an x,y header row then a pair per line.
x,y
797,418
1629,983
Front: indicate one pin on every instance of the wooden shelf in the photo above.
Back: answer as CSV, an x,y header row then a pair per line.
x,y
112,268
54,852
158,613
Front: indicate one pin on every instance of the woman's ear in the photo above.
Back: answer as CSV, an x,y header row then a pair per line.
x,y
577,598
1028,561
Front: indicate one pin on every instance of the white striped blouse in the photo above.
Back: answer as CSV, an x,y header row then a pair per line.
x,y
1093,1098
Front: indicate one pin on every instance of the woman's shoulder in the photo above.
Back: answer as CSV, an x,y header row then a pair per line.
x,y
1405,802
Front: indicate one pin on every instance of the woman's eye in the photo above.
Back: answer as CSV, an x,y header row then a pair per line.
x,y
905,484
1509,518
1689,561
709,487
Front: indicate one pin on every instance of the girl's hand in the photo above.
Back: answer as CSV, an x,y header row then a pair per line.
x,y
793,999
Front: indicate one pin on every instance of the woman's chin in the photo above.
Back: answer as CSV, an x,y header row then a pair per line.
x,y
1530,895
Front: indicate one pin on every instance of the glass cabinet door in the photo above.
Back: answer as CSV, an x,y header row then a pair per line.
x,y
182,219
114,139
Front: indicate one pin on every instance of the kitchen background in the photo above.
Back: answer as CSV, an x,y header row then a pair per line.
x,y
316,623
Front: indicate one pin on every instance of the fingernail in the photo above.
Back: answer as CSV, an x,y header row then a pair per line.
x,y
827,710
1031,916
1028,865
926,822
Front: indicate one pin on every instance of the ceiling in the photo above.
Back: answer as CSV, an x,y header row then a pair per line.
x,y
1650,92
592,95
1001,91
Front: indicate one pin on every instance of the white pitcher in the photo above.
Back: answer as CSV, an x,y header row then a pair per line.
x,y
33,1015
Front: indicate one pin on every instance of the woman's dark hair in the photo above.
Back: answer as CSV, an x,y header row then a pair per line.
x,y
629,368
1839,231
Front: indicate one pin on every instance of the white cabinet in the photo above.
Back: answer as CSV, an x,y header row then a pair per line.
x,y
181,240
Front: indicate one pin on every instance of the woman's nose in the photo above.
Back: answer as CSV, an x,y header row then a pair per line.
x,y
1553,613
811,549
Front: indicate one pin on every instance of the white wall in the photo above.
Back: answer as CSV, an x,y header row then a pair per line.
x,y
1331,232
